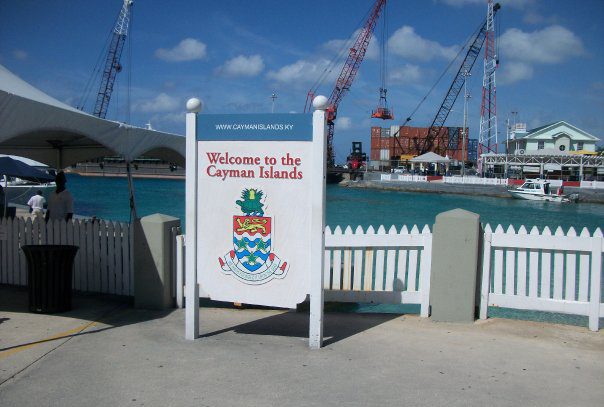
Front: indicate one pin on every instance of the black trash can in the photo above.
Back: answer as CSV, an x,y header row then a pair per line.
x,y
49,271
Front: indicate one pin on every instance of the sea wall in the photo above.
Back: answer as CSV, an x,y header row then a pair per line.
x,y
586,195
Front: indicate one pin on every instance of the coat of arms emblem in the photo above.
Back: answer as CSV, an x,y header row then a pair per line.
x,y
252,261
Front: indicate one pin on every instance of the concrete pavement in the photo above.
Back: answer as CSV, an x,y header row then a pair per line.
x,y
105,353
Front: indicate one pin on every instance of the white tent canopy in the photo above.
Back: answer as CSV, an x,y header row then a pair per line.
x,y
39,127
430,157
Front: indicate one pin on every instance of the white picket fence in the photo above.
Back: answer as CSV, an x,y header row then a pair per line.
x,y
102,264
592,184
390,267
475,180
383,267
403,177
543,271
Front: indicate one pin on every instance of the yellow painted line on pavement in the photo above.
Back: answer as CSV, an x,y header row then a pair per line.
x,y
66,335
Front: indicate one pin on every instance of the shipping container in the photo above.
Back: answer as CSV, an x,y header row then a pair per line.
x,y
385,142
385,154
375,155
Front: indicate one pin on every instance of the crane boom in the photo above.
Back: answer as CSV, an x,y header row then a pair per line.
x,y
348,73
435,129
112,62
355,57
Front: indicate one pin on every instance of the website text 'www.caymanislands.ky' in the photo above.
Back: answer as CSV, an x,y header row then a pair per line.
x,y
255,126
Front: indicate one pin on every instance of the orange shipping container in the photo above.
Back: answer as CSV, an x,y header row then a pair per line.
x,y
385,143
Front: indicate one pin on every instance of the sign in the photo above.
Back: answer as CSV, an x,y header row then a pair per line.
x,y
254,206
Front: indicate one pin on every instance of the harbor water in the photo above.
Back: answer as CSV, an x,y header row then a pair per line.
x,y
107,198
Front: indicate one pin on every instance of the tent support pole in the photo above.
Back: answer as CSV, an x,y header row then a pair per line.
x,y
131,193
5,195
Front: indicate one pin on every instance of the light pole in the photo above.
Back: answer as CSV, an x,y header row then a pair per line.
x,y
273,96
466,96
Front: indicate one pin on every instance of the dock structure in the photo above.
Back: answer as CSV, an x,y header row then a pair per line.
x,y
577,162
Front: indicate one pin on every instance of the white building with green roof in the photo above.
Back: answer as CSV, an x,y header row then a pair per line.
x,y
554,138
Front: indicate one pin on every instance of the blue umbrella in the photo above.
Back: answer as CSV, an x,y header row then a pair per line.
x,y
14,168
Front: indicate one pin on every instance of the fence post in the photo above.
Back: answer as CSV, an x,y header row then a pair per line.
x,y
486,273
152,260
180,270
596,280
426,266
455,243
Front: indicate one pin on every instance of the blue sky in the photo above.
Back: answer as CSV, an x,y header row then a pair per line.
x,y
234,54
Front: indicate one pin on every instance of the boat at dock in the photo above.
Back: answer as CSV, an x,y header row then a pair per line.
x,y
19,191
541,190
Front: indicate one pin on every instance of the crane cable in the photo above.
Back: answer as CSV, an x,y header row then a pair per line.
x,y
340,55
96,70
384,53
409,118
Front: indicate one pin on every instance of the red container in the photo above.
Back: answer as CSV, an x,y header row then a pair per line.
x,y
385,142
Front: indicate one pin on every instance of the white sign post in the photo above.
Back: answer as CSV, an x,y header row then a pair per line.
x,y
256,211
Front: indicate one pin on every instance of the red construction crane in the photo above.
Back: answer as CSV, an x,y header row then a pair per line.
x,y
437,140
112,62
348,73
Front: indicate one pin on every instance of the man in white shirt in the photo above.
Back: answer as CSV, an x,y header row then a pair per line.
x,y
36,203
60,201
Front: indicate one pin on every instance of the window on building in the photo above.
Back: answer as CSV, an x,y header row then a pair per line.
x,y
540,145
579,145
562,148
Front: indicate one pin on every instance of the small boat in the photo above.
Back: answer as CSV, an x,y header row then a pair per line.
x,y
540,190
18,191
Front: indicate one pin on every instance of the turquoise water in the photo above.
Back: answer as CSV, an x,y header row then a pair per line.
x,y
107,198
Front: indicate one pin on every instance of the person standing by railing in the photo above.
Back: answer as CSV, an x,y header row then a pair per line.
x,y
60,201
36,204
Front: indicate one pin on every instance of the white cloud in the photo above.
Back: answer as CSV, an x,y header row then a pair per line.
x,y
337,46
408,73
535,17
161,103
303,71
175,117
513,72
188,49
548,46
20,54
343,123
242,66
518,4
407,43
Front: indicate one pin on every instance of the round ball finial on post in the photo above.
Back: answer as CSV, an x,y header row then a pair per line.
x,y
320,102
194,105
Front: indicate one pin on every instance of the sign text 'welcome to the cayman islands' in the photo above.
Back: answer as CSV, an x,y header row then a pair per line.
x,y
224,165
261,127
